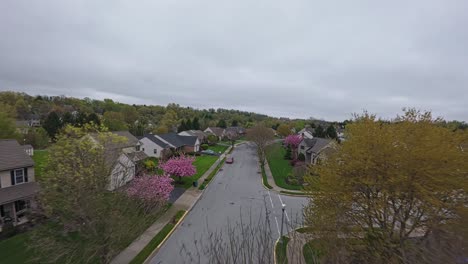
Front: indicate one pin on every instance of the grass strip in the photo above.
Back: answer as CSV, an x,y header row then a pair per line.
x,y
280,250
212,174
157,239
264,177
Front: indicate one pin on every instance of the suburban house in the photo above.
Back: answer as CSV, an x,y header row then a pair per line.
x,y
316,149
196,133
157,145
17,183
122,157
217,131
153,146
236,129
307,132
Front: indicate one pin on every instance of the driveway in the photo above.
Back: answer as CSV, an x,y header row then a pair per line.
x,y
236,190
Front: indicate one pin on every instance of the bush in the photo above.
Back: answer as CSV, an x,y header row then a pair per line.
x,y
288,154
301,157
205,146
292,163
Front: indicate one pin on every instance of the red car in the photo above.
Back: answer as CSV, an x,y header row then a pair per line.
x,y
230,160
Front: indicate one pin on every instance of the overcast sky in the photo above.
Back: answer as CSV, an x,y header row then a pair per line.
x,y
325,59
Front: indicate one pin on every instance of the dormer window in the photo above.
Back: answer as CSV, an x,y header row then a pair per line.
x,y
137,147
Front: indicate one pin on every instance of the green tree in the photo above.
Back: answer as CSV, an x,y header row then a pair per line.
x,y
221,123
283,130
319,132
234,123
393,193
114,121
7,127
94,119
196,123
52,124
189,124
67,118
86,222
331,132
182,126
37,137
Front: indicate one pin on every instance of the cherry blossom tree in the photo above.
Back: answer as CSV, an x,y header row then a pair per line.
x,y
151,189
293,142
181,166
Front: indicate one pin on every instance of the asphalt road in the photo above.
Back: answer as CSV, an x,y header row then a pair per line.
x,y
236,192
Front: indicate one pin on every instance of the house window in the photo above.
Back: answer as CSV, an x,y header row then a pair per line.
x,y
19,176
143,149
137,147
155,151
302,147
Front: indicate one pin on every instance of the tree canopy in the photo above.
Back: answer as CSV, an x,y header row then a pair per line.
x,y
393,192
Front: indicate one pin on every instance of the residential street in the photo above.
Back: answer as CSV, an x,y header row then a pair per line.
x,y
236,190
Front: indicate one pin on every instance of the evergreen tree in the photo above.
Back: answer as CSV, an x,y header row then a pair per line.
x,y
93,118
67,118
331,132
182,126
196,123
319,132
189,125
234,123
52,124
221,123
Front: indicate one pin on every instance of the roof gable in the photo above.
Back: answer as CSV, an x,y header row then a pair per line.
x,y
12,155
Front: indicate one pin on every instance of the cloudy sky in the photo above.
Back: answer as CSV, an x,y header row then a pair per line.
x,y
325,59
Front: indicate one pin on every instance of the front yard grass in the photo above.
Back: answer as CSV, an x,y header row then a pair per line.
x,y
13,250
280,168
202,163
157,239
40,161
218,148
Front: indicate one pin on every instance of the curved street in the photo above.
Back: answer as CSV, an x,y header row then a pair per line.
x,y
236,192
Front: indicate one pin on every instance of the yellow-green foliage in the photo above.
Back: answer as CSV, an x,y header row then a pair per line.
x,y
390,181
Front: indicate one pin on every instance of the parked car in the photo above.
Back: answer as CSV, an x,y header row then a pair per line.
x,y
209,152
229,160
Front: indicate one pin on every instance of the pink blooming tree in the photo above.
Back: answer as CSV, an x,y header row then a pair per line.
x,y
293,142
181,166
152,190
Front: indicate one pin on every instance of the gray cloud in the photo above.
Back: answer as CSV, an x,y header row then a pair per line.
x,y
325,59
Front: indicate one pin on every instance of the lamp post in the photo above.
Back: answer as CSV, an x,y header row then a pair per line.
x,y
283,207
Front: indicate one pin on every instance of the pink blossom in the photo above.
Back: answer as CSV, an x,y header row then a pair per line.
x,y
151,188
293,140
179,166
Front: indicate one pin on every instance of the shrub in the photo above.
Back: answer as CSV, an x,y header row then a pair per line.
x,y
288,155
204,146
292,163
301,157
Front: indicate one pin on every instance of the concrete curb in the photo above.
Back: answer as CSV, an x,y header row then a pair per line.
x,y
153,253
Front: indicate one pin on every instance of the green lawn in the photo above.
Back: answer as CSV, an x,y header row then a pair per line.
x,y
40,159
202,163
218,148
280,250
156,241
13,250
280,168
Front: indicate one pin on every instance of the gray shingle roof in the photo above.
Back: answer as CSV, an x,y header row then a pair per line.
x,y
178,140
12,155
155,140
318,144
17,192
218,131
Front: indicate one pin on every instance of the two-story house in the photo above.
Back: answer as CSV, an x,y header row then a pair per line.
x,y
17,182
123,158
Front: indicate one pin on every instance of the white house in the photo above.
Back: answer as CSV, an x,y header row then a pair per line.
x,y
153,146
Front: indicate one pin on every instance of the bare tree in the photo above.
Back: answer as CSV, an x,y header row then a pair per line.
x,y
260,136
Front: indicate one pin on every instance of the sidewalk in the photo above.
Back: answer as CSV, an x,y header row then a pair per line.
x,y
272,183
185,202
